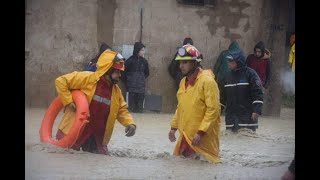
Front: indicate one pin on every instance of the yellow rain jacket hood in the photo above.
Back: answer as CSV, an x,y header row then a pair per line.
x,y
86,81
199,109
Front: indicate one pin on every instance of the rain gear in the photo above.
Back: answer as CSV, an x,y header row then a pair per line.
x,y
292,58
199,110
241,95
86,81
220,68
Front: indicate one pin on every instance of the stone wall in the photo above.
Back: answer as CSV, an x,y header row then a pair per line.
x,y
166,23
61,36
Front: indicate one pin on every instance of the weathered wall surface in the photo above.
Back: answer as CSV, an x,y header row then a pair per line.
x,y
63,35
166,23
277,16
60,36
105,21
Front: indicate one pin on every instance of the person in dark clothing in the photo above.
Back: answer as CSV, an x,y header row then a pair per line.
x,y
290,173
260,62
135,74
220,68
174,69
91,66
241,94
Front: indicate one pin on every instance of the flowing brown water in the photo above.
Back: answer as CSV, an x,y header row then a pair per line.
x,y
265,154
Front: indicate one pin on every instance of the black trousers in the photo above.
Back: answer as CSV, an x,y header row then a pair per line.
x,y
235,122
136,102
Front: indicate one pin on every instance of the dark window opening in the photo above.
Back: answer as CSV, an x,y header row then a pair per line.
x,y
197,2
192,2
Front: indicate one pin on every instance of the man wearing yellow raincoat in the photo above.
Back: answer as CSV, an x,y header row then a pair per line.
x,y
291,59
197,116
106,103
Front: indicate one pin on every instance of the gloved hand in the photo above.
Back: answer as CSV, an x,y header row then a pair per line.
x,y
130,130
71,105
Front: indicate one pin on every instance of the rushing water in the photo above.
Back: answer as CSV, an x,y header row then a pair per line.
x,y
265,154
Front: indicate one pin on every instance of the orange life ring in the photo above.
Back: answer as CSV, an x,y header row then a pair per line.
x,y
81,119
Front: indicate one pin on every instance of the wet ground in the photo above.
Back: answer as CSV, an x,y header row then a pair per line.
x,y
265,154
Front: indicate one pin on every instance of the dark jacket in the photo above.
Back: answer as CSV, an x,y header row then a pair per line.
x,y
136,71
174,71
241,93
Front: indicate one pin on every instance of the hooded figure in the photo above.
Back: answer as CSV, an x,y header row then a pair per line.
x,y
106,103
241,94
137,70
91,66
220,68
260,62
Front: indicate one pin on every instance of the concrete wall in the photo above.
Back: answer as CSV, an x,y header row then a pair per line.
x,y
276,14
60,36
105,21
166,23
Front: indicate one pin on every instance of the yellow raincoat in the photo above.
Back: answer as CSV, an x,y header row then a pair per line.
x,y
199,109
86,81
292,58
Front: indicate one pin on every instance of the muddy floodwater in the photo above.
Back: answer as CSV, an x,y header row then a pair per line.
x,y
265,154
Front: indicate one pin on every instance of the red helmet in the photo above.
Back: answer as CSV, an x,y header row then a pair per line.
x,y
118,62
118,65
188,52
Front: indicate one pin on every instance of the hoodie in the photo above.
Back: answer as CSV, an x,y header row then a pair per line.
x,y
136,70
262,65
